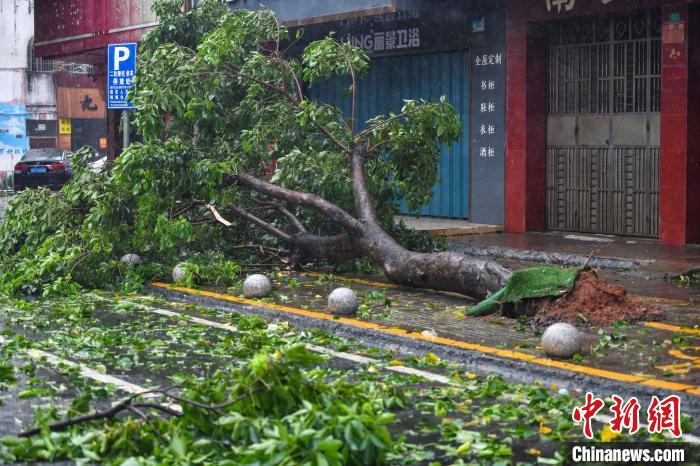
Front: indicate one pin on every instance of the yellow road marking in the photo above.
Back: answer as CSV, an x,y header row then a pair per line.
x,y
673,328
681,355
680,369
504,353
668,385
685,367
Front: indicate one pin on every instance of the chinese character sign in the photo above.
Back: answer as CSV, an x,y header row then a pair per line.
x,y
662,415
384,41
13,139
488,91
121,69
566,5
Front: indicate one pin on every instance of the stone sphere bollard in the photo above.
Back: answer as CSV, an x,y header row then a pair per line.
x,y
130,259
342,301
257,286
179,273
561,340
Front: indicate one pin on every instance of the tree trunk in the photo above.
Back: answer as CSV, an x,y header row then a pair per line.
x,y
307,247
445,271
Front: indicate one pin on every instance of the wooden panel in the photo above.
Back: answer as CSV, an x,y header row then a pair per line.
x,y
64,141
75,102
42,143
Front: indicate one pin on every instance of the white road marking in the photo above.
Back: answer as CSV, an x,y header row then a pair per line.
x,y
88,372
92,374
365,360
131,388
197,320
602,418
316,349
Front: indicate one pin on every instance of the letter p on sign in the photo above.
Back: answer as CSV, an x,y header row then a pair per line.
x,y
121,71
121,54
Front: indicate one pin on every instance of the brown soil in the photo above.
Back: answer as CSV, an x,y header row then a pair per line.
x,y
595,302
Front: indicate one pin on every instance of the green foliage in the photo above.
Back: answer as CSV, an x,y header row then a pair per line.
x,y
210,268
216,98
413,149
415,240
40,237
32,216
279,411
327,58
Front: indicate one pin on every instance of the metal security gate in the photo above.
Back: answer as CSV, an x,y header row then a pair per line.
x,y
603,95
392,80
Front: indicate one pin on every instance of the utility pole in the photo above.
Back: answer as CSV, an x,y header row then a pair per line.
x,y
127,130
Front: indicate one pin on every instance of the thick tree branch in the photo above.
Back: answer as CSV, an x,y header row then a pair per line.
x,y
292,218
363,200
338,248
344,219
274,231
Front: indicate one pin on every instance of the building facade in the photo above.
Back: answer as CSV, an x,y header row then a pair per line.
x,y
579,121
601,105
428,49
577,114
73,35
27,98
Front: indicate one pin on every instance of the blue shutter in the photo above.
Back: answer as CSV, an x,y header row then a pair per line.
x,y
427,76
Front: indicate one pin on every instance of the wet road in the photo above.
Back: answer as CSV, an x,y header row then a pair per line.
x,y
151,343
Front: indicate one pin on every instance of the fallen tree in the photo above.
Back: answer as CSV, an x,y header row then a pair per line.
x,y
249,94
229,140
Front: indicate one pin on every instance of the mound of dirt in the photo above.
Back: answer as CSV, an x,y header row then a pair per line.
x,y
595,302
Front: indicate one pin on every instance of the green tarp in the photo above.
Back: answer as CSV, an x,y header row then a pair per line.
x,y
535,282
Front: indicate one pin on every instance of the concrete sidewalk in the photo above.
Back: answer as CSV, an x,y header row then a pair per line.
x,y
607,252
447,227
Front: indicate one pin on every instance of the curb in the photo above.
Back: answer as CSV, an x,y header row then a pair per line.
x,y
554,258
512,370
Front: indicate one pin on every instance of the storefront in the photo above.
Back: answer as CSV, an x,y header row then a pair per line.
x,y
427,49
600,99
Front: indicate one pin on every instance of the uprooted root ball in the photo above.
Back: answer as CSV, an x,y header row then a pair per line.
x,y
594,302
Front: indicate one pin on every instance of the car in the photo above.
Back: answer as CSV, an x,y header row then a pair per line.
x,y
43,167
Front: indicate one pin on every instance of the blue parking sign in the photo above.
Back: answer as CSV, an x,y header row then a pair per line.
x,y
121,68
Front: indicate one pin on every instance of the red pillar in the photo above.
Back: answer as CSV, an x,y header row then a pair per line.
x,y
536,127
526,124
673,158
692,207
516,121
